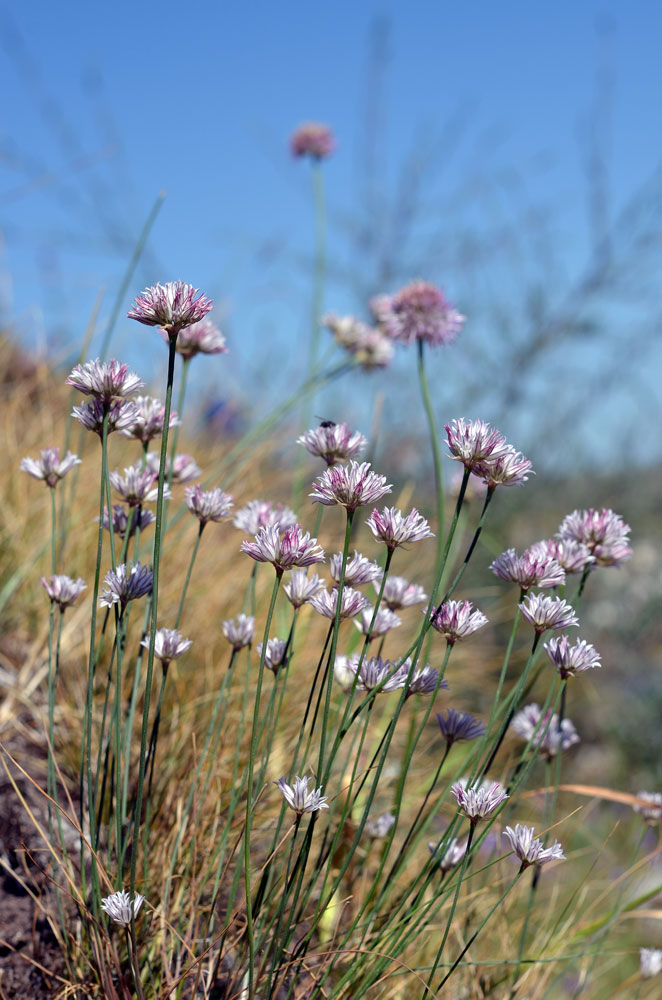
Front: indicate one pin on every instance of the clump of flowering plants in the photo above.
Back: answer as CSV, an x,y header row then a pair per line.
x,y
285,786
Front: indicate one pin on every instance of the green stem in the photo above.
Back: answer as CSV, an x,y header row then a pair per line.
x,y
320,263
155,604
449,922
436,452
188,575
525,926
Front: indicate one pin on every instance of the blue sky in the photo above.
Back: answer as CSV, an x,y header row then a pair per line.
x,y
111,103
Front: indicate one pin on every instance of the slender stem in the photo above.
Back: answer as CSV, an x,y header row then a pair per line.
x,y
155,604
53,534
133,961
449,922
255,733
188,575
436,452
525,926
320,262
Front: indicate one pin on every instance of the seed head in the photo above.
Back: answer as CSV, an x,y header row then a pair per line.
x,y
172,306
50,467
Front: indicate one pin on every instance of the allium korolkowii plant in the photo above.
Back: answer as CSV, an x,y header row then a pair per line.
x,y
282,786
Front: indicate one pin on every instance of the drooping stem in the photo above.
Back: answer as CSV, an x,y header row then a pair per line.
x,y
155,604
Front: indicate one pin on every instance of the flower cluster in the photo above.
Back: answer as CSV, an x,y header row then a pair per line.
x,y
385,620
604,533
370,348
456,620
239,633
485,451
294,547
203,337
333,442
120,415
50,468
63,591
132,520
479,801
312,139
122,586
394,528
350,486
547,612
182,470
169,644
570,660
358,569
147,423
457,726
122,908
105,380
299,798
534,568
276,654
400,593
650,806
418,312
302,587
208,505
172,306
136,486
447,857
262,514
529,849
543,731
326,604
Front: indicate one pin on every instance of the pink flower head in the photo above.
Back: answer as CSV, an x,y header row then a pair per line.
x,y
123,518
148,421
172,306
63,591
169,644
333,442
106,380
122,415
474,441
203,337
122,587
50,468
326,603
534,568
263,513
456,620
459,726
384,622
418,312
372,672
183,470
136,486
350,486
294,548
570,660
208,505
368,346
394,529
312,139
510,468
239,633
573,556
400,593
543,731
299,798
447,857
530,850
302,587
479,801
358,570
547,612
604,533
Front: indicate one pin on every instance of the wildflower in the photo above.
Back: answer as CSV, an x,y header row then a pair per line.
x,y
182,470
263,513
456,726
573,556
372,673
294,548
533,568
343,672
122,415
172,306
652,810
474,441
121,908
50,467
383,623
425,681
449,857
603,532
203,337
530,850
543,731
547,612
333,442
299,798
510,468
105,380
169,645
121,588
136,486
276,654
394,529
378,827
420,311
400,593
351,486
313,139
63,590
239,633
326,603
481,801
122,518
208,505
650,960
359,569
456,620
148,421
368,346
475,488
302,587
570,660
